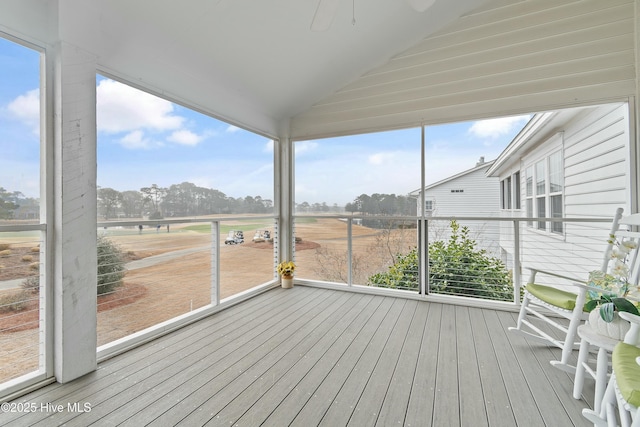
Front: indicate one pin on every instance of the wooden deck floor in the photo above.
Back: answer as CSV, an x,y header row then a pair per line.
x,y
309,357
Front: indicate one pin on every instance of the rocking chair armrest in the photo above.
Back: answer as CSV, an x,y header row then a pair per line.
x,y
633,334
632,318
576,282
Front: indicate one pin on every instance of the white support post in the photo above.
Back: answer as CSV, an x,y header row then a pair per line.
x,y
424,256
423,229
215,263
284,196
349,251
75,213
517,268
47,211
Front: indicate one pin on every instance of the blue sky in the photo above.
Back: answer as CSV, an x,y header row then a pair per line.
x,y
144,140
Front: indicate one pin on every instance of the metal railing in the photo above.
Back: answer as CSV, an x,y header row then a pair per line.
x,y
163,270
475,257
152,271
149,273
22,297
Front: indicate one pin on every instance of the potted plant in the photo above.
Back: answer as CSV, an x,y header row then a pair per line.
x,y
613,292
285,270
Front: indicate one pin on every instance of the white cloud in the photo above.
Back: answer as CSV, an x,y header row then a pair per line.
x,y
122,108
382,158
232,129
201,181
302,147
136,140
343,178
269,146
392,159
26,108
376,159
495,128
185,137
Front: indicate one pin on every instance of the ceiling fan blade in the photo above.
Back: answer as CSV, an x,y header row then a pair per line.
x,y
323,17
421,5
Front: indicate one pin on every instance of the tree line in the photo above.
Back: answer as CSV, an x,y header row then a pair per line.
x,y
187,199
14,204
383,204
177,200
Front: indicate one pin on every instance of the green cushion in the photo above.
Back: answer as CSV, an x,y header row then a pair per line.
x,y
627,372
553,296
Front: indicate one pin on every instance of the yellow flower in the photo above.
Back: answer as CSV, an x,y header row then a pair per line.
x,y
286,268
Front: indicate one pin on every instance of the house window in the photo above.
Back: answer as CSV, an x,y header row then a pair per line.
x,y
505,193
556,186
510,192
529,194
541,185
516,191
428,205
544,187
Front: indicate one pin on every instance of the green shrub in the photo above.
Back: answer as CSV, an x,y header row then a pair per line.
x,y
456,267
111,269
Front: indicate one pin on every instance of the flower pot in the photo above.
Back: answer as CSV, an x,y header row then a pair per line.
x,y
286,282
615,329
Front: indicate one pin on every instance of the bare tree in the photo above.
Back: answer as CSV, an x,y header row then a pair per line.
x,y
154,195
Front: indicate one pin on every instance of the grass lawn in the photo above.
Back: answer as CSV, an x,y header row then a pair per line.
x,y
224,229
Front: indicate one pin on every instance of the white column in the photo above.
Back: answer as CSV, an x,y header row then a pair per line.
x,y
284,196
74,204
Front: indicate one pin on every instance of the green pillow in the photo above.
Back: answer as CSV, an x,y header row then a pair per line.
x,y
553,296
627,371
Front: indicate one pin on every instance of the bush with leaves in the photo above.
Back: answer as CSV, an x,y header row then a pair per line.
x,y
111,269
401,275
456,267
14,301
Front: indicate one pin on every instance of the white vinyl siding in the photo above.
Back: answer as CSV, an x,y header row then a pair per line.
x,y
467,194
471,194
597,163
523,57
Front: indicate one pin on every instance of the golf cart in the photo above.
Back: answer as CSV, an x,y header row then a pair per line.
x,y
261,236
234,237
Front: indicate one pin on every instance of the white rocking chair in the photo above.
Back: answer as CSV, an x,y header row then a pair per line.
x,y
623,389
539,300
